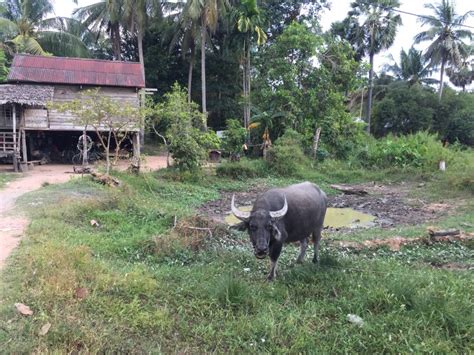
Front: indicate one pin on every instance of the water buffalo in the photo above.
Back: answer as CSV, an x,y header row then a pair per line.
x,y
285,215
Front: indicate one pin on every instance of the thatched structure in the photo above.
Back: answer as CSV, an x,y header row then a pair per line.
x,y
30,130
23,94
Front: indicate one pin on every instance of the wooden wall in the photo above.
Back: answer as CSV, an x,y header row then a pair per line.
x,y
42,119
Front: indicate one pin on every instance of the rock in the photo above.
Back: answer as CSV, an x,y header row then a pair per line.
x,y
23,309
44,329
354,319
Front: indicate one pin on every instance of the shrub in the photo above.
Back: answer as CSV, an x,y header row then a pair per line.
x,y
286,157
234,137
420,150
243,169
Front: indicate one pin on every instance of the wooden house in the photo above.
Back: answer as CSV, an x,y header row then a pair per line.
x,y
29,129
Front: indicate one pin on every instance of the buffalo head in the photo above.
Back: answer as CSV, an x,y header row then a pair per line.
x,y
261,225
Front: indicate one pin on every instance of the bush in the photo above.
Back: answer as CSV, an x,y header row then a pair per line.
x,y
420,150
286,157
234,137
243,169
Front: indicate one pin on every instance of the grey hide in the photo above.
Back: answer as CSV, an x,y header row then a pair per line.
x,y
303,218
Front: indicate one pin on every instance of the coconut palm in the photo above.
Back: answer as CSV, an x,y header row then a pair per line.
x,y
463,75
185,33
446,35
207,14
413,68
25,29
375,31
105,16
248,21
137,14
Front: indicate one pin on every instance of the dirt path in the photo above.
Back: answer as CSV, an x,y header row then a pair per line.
x,y
12,223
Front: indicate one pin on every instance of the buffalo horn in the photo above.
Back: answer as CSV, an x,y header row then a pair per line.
x,y
280,213
243,216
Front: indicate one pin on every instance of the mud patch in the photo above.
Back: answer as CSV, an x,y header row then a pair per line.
x,y
389,204
336,218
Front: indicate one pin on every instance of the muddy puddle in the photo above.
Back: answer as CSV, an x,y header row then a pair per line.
x,y
335,218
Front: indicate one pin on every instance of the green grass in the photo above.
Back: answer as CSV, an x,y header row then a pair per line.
x,y
153,289
6,177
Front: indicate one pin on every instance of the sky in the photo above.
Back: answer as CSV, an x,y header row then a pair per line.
x,y
339,9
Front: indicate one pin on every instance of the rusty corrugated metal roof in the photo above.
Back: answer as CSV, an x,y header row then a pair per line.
x,y
75,71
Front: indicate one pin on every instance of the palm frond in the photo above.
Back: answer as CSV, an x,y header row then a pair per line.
x,y
27,44
63,44
8,29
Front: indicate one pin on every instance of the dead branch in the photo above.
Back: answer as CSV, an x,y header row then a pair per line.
x,y
350,190
442,232
105,179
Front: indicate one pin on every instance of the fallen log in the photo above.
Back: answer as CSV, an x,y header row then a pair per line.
x,y
105,179
395,243
350,190
442,232
82,170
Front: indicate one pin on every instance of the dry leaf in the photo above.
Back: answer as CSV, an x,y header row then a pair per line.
x,y
23,309
81,293
44,329
94,223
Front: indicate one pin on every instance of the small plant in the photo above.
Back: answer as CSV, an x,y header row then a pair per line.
x,y
234,138
184,134
286,157
233,293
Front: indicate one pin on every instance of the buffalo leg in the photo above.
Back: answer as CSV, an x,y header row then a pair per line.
x,y
275,251
316,241
303,247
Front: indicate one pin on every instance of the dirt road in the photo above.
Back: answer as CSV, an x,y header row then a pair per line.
x,y
13,223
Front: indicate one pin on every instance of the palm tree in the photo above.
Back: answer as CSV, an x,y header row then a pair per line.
x,y
207,14
137,13
104,16
248,20
185,33
376,32
23,26
463,75
413,68
446,36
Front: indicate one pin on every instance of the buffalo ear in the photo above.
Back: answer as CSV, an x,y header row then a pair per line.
x,y
242,226
276,232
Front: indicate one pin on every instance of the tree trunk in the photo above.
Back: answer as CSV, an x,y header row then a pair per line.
x,y
84,147
107,153
317,134
369,98
443,63
247,75
115,36
244,86
190,73
140,52
203,67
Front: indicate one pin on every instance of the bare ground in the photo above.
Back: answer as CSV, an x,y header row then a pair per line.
x,y
12,223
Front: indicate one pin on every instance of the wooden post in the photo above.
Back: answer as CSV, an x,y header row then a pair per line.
x,y
135,162
136,145
15,156
23,148
23,140
84,147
